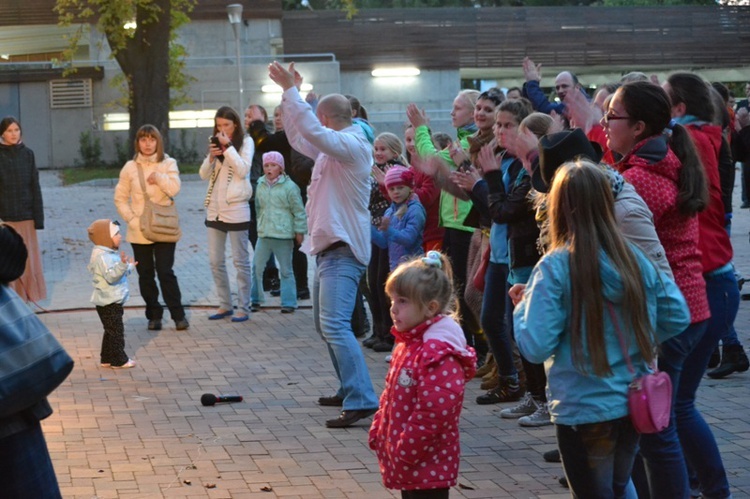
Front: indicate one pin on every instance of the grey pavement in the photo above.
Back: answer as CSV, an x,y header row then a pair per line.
x,y
142,433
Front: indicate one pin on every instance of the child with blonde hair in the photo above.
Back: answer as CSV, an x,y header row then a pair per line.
x,y
415,432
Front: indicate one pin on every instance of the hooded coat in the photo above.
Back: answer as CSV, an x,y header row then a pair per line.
x,y
415,431
654,170
541,324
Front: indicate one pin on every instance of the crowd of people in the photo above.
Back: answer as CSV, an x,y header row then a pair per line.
x,y
557,249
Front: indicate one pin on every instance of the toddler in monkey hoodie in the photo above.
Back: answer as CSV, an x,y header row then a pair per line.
x,y
109,270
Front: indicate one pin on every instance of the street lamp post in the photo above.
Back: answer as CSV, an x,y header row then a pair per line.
x,y
234,11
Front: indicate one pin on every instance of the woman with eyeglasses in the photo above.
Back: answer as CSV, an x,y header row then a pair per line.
x,y
659,159
693,107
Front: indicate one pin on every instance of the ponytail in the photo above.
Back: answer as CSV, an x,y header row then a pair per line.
x,y
692,197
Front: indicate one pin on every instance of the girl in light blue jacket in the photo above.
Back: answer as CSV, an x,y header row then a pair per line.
x,y
590,288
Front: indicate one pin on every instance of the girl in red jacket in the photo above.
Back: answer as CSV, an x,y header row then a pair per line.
x,y
415,431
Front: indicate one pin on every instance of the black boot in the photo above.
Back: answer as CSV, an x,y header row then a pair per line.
x,y
733,359
715,358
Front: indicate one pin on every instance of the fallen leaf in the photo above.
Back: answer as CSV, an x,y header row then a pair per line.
x,y
466,487
267,488
210,485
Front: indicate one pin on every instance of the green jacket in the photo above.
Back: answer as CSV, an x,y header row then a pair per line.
x,y
279,209
453,211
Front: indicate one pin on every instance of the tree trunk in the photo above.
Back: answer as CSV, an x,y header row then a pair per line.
x,y
145,63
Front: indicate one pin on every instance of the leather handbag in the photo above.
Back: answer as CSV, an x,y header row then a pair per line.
x,y
32,361
649,396
159,223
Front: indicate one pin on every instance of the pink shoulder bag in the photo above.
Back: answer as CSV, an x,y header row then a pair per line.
x,y
649,396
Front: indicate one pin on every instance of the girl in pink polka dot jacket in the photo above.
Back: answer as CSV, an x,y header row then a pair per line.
x,y
415,431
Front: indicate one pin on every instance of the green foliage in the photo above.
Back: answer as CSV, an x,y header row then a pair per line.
x,y
185,153
351,6
110,17
90,150
122,152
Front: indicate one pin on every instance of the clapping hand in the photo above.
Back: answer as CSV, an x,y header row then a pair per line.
x,y
283,77
417,117
466,179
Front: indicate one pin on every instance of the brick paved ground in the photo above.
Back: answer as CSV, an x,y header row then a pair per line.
x,y
142,433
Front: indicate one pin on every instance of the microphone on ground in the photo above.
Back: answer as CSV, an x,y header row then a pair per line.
x,y
210,399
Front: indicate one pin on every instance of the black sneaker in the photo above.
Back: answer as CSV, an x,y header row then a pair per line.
x,y
181,324
369,342
505,392
551,456
303,294
382,346
154,325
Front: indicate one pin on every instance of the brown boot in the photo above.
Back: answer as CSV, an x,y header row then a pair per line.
x,y
487,367
493,372
491,383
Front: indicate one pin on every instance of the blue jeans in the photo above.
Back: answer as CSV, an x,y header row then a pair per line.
x,y
336,281
664,462
26,464
282,249
597,457
217,240
698,443
493,317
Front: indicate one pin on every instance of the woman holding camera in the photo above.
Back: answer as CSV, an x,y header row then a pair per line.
x,y
227,169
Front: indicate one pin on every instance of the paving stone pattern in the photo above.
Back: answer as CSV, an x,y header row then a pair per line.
x,y
142,433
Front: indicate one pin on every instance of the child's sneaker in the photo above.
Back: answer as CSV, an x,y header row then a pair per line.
x,y
388,358
130,363
527,407
540,417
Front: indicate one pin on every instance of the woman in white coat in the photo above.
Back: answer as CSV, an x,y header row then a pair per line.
x,y
162,179
227,169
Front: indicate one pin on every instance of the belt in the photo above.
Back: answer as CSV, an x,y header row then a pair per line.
x,y
336,245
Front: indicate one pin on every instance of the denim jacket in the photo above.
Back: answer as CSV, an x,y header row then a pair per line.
x,y
109,276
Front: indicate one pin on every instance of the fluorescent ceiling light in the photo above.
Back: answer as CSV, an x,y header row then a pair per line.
x,y
177,119
272,88
391,72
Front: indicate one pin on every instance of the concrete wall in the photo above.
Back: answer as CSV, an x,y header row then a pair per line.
x,y
386,98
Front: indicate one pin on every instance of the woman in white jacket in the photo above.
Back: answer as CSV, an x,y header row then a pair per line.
x,y
227,169
162,179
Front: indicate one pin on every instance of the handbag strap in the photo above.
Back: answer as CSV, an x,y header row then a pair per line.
x,y
146,197
143,181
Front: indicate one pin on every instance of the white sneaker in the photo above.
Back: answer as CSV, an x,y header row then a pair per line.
x,y
129,364
388,358
526,407
540,417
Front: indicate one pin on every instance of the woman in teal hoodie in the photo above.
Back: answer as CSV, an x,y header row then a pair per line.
x,y
590,294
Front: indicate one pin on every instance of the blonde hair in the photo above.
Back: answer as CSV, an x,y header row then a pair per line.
x,y
149,131
422,280
582,220
394,144
538,123
469,95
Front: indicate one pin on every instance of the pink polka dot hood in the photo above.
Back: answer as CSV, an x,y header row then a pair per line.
x,y
415,432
